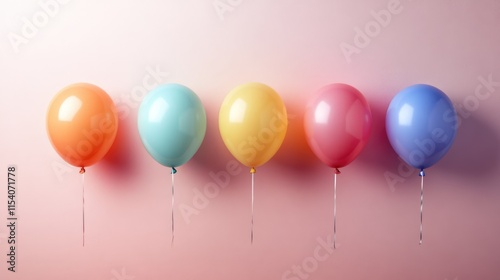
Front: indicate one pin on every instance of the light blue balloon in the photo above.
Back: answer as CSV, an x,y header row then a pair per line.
x,y
172,124
421,124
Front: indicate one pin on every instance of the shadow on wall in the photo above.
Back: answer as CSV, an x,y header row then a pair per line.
x,y
212,154
475,151
121,162
378,155
295,157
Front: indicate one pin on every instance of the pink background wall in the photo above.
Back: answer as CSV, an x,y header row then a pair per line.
x,y
295,47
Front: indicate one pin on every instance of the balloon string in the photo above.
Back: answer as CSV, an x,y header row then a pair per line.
x,y
421,174
173,200
252,171
335,207
82,171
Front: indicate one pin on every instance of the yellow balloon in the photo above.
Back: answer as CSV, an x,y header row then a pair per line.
x,y
253,123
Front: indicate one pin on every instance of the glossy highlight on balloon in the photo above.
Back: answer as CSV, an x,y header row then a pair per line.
x,y
337,123
172,124
82,124
253,123
421,125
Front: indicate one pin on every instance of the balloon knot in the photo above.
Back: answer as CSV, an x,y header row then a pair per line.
x,y
173,170
421,173
336,171
252,170
82,170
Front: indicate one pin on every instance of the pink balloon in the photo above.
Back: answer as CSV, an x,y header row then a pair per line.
x,y
337,123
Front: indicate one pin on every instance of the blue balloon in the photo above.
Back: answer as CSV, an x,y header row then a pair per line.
x,y
172,124
421,124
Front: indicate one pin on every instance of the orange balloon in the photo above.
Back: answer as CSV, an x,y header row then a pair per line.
x,y
82,123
